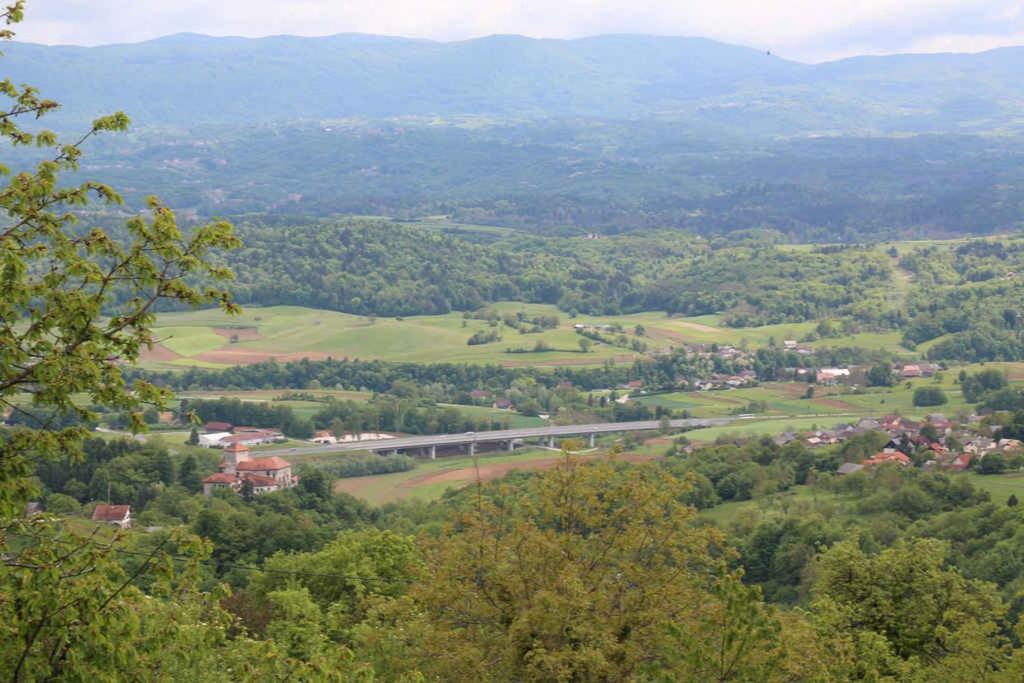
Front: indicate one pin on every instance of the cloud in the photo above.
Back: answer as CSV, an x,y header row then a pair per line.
x,y
803,29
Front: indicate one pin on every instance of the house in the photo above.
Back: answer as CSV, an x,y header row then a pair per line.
x,y
323,436
120,515
252,437
911,371
831,375
1009,445
979,445
848,468
237,468
961,462
789,344
479,394
502,404
213,439
215,426
885,457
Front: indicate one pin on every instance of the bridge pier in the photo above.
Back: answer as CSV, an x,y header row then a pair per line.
x,y
433,452
592,439
394,452
511,445
551,442
472,447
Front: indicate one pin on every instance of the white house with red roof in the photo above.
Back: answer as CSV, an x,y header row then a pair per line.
x,y
237,467
119,515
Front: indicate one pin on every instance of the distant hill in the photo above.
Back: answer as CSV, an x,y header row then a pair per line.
x,y
186,79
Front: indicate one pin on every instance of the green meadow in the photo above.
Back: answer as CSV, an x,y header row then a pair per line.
x,y
209,338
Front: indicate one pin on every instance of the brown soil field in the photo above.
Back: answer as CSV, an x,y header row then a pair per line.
x,y
158,354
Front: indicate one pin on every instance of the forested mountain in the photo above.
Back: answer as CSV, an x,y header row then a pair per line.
x,y
187,79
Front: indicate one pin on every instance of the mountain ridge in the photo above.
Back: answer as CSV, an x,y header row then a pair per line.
x,y
186,79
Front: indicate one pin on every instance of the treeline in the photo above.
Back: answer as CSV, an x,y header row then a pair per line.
x,y
452,382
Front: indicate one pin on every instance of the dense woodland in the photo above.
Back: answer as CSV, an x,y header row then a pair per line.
x,y
378,268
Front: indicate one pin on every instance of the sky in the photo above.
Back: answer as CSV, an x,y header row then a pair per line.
x,y
805,30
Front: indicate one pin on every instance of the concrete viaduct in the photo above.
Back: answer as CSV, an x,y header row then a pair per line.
x,y
427,444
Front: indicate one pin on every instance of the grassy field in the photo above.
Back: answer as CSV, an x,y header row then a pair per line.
x,y
431,478
211,339
304,409
764,427
1000,486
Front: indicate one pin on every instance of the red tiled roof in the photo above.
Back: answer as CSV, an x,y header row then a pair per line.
x,y
215,426
272,463
220,478
110,513
879,458
236,447
259,479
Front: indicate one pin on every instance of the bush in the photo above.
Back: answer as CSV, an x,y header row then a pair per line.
x,y
929,396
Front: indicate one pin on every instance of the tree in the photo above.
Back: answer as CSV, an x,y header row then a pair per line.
x,y
193,437
1012,501
188,474
665,424
880,375
920,612
992,463
585,345
77,300
929,396
574,578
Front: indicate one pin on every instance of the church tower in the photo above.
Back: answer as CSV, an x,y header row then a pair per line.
x,y
233,454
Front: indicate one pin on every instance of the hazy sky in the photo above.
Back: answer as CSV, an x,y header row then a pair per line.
x,y
809,30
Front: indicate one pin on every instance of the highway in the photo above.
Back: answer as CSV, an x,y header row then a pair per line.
x,y
470,439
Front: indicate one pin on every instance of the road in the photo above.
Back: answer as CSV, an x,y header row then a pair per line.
x,y
507,435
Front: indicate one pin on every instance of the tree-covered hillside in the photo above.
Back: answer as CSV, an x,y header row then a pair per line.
x,y
377,268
